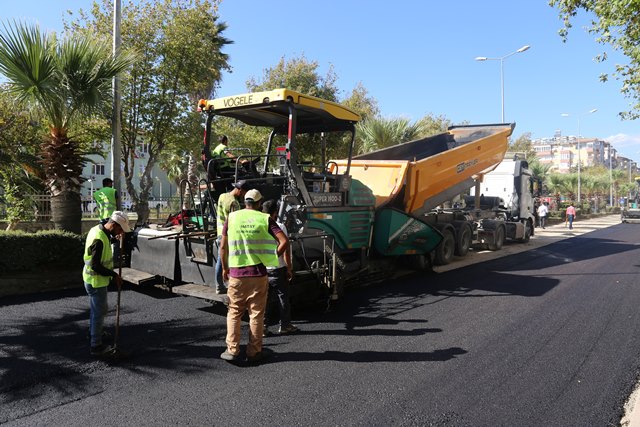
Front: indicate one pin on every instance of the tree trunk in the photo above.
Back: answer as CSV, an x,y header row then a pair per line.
x,y
66,212
142,209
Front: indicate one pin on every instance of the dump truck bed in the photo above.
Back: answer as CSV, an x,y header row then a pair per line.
x,y
422,174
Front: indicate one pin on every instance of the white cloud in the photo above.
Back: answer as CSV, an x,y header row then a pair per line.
x,y
622,140
627,145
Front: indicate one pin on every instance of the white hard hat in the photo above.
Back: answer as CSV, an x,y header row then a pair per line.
x,y
121,219
253,196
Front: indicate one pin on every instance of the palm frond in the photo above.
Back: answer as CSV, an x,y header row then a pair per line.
x,y
27,60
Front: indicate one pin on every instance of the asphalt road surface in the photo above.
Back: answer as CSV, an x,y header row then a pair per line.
x,y
546,337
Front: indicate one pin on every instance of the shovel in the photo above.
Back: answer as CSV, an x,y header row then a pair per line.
x,y
116,354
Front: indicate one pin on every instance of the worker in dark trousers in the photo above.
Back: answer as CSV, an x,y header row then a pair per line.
x,y
98,273
279,280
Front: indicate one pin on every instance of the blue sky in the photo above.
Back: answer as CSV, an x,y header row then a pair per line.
x,y
417,57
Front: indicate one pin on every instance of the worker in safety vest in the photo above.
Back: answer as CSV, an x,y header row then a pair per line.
x,y
225,161
98,273
221,153
227,203
251,242
106,200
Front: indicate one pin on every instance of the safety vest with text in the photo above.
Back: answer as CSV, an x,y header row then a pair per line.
x,y
88,275
250,242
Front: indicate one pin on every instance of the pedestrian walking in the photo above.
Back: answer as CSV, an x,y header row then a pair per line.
x,y
279,280
106,200
248,247
227,203
571,215
98,273
543,211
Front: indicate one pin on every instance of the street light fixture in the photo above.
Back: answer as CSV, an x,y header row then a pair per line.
x,y
501,59
578,143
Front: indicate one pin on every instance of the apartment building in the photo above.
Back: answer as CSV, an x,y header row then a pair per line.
x,y
97,168
564,153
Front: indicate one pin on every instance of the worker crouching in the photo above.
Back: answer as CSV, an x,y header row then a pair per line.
x,y
251,242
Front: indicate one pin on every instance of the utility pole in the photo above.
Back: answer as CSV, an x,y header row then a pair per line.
x,y
116,150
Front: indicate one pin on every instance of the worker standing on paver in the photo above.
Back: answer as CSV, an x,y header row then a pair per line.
x,y
106,200
98,273
248,248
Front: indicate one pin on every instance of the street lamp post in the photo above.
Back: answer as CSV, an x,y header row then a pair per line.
x,y
610,176
578,145
160,184
501,59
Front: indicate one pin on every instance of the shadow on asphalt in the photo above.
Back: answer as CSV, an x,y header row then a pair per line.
x,y
42,296
370,356
500,277
42,357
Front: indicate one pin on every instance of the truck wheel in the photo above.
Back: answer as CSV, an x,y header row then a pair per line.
x,y
527,232
446,248
498,239
423,262
463,242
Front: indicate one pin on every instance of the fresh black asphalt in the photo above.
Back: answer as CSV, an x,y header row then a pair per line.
x,y
545,337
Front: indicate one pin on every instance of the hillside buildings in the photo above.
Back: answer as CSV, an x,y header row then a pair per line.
x,y
564,152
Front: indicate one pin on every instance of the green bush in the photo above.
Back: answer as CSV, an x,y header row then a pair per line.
x,y
20,251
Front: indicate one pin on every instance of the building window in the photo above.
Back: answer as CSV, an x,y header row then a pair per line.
x,y
142,150
98,169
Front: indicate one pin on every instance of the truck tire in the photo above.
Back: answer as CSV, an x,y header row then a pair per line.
x,y
446,248
498,239
421,262
463,240
527,232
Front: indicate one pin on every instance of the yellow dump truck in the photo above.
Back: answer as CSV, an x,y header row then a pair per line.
x,y
420,177
349,220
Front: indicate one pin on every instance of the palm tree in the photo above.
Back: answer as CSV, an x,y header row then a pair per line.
x,y
540,171
377,133
67,81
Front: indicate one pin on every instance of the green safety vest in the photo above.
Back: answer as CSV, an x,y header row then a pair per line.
x,y
106,200
227,203
219,153
88,275
250,242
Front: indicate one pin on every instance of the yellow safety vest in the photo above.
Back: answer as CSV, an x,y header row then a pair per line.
x,y
250,242
106,201
219,153
88,275
227,203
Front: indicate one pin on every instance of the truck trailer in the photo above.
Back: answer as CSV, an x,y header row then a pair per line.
x,y
351,219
